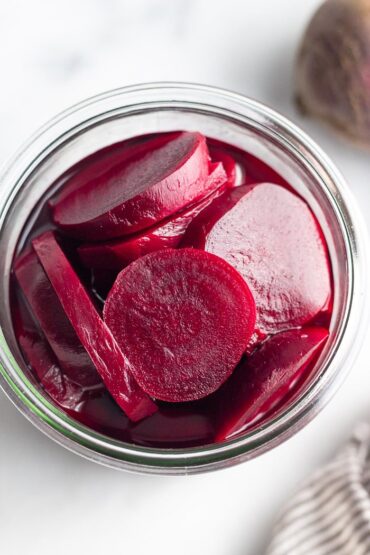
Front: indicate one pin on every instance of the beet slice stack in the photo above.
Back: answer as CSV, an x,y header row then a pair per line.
x,y
271,237
102,163
138,193
47,309
184,318
93,333
119,253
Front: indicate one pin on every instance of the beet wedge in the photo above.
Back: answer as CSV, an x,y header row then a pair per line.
x,y
48,311
94,334
64,392
271,237
260,383
184,318
119,253
138,193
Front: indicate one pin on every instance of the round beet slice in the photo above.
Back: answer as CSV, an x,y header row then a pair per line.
x,y
263,380
138,193
271,237
184,318
118,253
104,162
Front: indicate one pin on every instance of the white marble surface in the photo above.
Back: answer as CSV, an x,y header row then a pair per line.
x,y
51,55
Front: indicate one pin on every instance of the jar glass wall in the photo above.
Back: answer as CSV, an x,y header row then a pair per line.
x,y
231,118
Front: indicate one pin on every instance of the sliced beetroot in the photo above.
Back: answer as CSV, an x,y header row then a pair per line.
x,y
138,193
228,162
271,237
104,161
95,336
49,313
119,253
260,383
184,318
66,393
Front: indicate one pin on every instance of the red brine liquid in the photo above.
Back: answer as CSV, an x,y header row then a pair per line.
x,y
230,214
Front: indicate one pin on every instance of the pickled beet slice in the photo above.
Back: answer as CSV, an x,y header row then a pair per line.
x,y
104,161
119,253
138,193
264,379
66,393
94,334
271,237
49,313
184,318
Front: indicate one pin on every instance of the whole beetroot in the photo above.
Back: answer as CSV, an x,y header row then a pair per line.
x,y
333,67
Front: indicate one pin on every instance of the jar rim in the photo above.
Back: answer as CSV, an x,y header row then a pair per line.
x,y
88,443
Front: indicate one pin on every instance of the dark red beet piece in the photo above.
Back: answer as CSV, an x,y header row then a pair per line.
x,y
93,333
184,318
59,387
228,162
41,361
103,162
139,192
264,379
49,313
119,253
271,237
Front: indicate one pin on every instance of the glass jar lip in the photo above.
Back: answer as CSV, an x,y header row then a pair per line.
x,y
92,445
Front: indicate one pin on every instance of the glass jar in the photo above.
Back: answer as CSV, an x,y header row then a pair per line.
x,y
127,112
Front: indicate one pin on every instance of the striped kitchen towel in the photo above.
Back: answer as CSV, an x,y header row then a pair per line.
x,y
331,512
